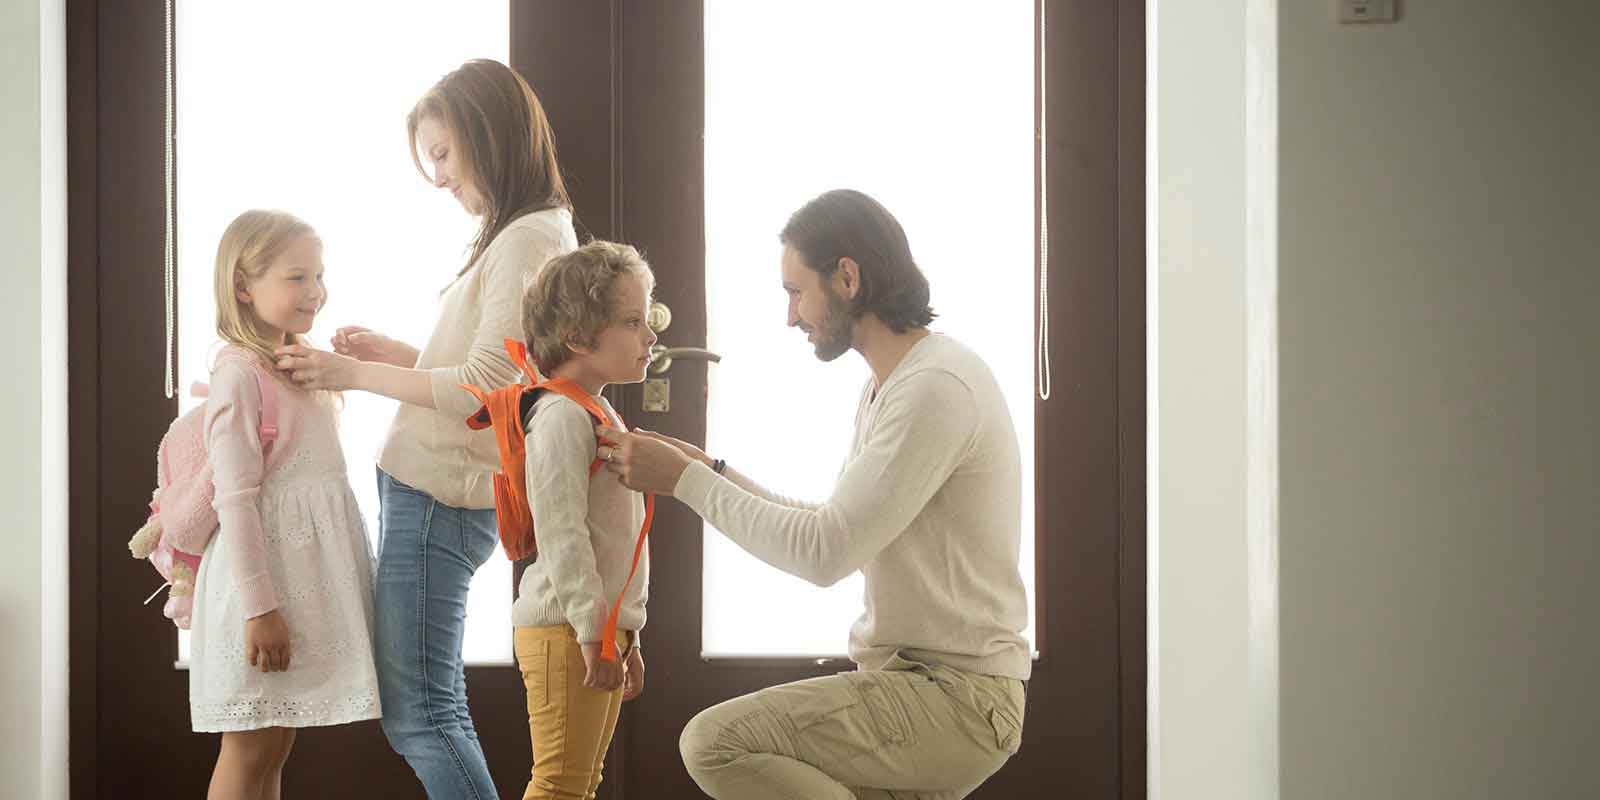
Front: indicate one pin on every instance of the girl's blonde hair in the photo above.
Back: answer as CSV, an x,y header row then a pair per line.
x,y
573,299
249,246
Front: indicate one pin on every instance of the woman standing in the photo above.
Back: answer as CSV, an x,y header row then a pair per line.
x,y
481,134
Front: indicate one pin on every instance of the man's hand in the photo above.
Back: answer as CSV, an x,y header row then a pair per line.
x,y
643,463
688,449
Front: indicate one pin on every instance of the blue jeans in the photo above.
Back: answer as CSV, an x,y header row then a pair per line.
x,y
427,553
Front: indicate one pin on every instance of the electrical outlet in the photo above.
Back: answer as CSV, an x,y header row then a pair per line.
x,y
1362,11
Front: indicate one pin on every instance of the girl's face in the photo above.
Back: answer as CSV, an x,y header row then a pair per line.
x,y
622,350
451,171
290,292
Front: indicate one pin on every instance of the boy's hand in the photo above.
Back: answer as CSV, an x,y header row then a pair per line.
x,y
266,642
632,675
599,673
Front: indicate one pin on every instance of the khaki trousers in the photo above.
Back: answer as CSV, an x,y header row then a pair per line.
x,y
910,730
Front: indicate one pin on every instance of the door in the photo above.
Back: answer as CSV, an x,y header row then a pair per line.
x,y
129,696
638,168
625,86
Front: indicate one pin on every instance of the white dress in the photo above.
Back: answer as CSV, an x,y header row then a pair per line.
x,y
311,545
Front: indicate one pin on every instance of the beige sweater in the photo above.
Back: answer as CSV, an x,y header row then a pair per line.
x,y
927,508
432,449
586,528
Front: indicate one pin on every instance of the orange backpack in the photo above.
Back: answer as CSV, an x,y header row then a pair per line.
x,y
503,410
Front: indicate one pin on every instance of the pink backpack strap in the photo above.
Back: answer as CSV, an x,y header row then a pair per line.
x,y
269,410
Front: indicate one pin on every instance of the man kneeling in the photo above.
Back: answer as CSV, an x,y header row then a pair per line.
x,y
927,508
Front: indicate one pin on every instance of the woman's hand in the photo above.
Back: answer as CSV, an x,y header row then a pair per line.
x,y
311,368
365,344
632,675
266,642
644,463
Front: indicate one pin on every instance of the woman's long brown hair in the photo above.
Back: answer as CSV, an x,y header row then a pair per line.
x,y
504,140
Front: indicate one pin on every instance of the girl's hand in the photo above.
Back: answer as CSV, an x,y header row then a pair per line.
x,y
311,368
599,673
266,642
632,675
364,344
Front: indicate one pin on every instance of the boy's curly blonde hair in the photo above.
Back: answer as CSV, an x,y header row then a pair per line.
x,y
573,299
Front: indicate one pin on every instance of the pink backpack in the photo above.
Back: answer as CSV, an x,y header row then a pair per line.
x,y
182,519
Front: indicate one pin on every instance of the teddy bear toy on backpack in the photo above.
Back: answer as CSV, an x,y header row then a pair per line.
x,y
182,519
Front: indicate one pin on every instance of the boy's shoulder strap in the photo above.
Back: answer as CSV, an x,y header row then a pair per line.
x,y
587,402
569,389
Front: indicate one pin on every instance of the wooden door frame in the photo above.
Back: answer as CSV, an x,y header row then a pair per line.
x,y
636,164
576,57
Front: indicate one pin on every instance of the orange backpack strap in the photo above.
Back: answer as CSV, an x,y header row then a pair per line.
x,y
572,391
608,634
518,352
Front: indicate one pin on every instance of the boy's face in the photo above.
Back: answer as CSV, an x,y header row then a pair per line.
x,y
622,350
289,293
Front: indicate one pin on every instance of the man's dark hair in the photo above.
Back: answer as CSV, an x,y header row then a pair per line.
x,y
846,223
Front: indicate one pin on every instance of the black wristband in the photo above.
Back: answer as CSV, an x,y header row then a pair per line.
x,y
717,465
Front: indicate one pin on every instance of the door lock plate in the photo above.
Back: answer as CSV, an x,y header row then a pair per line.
x,y
658,395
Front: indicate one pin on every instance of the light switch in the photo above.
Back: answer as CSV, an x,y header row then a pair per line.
x,y
1359,11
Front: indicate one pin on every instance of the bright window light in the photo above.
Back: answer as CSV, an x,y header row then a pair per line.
x,y
928,107
300,105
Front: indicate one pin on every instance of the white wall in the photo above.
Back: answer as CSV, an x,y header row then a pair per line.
x,y
1439,275
33,462
1212,492
54,596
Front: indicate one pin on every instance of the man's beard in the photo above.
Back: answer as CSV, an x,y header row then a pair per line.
x,y
837,331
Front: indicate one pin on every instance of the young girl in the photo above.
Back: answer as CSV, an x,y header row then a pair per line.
x,y
584,319
481,135
282,626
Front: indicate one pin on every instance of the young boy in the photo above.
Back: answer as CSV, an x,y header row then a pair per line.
x,y
584,319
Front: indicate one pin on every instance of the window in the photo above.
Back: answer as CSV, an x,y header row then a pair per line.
x,y
930,109
301,105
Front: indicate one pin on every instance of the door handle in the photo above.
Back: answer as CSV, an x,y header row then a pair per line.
x,y
661,357
660,317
